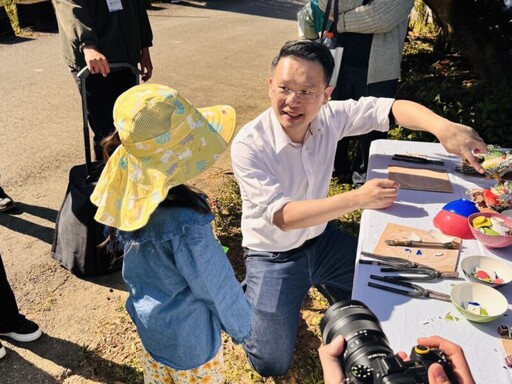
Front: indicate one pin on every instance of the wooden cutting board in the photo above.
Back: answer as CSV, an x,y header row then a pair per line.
x,y
420,179
444,260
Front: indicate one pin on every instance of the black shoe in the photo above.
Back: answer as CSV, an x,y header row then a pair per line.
x,y
6,203
2,351
28,331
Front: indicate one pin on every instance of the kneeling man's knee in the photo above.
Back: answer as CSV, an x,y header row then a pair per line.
x,y
269,365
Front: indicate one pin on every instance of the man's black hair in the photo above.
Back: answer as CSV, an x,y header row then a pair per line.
x,y
307,50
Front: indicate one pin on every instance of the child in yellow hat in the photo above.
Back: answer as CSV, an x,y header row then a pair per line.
x,y
182,289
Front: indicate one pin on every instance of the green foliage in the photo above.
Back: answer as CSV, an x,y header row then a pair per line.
x,y
421,21
227,207
349,221
448,87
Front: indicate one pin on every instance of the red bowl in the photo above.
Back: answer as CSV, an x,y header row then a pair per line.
x,y
452,224
488,240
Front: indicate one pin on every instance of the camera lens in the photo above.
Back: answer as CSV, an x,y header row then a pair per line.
x,y
364,339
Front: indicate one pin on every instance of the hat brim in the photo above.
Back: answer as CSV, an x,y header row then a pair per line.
x,y
126,202
222,118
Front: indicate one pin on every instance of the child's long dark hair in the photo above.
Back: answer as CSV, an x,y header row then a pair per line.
x,y
179,196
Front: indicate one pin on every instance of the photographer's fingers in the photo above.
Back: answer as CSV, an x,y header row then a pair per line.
x,y
329,358
436,375
454,353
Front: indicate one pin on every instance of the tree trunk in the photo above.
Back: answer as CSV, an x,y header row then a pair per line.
x,y
482,31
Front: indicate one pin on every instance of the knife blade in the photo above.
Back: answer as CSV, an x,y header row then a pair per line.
x,y
426,244
416,159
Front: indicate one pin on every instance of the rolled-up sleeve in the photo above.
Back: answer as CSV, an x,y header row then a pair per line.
x,y
357,117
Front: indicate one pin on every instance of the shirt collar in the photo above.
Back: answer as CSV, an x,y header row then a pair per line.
x,y
316,126
281,139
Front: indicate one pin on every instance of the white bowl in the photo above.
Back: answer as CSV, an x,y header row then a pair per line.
x,y
502,269
489,298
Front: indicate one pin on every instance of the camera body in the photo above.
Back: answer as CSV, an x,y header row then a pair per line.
x,y
367,357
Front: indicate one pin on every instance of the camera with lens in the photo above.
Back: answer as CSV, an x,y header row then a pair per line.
x,y
367,357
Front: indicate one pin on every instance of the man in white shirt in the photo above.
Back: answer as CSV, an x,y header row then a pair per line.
x,y
283,163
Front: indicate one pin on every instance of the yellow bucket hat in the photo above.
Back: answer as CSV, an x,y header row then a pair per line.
x,y
165,142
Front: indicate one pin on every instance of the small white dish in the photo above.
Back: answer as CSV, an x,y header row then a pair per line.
x,y
468,295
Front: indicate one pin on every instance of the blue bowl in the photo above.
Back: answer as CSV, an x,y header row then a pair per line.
x,y
461,207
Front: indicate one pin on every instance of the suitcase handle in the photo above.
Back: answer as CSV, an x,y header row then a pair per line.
x,y
82,75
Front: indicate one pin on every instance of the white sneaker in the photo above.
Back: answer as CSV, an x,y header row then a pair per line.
x,y
28,331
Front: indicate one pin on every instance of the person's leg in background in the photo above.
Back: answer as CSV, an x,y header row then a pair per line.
x,y
6,202
380,89
8,308
101,95
13,324
351,85
276,285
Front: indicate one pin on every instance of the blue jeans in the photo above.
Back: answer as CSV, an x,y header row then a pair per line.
x,y
276,284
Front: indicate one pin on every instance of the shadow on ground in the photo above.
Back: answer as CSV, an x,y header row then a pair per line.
x,y
75,359
15,222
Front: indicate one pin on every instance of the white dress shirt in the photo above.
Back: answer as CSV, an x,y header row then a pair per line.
x,y
272,170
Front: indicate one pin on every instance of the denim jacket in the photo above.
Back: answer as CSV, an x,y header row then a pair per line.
x,y
182,288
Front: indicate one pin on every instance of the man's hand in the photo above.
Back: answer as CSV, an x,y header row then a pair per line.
x,y
464,141
436,374
96,61
377,193
456,138
146,66
333,374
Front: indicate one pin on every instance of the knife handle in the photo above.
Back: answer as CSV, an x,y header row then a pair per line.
x,y
450,275
410,159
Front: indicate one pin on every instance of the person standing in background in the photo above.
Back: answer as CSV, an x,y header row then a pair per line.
x,y
13,325
372,35
6,202
96,33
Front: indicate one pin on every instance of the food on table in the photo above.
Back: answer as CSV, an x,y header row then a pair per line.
x,y
493,226
496,161
476,308
499,197
487,276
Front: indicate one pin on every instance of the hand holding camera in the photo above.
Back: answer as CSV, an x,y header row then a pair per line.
x,y
368,358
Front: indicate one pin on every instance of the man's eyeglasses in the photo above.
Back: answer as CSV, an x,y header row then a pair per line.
x,y
304,97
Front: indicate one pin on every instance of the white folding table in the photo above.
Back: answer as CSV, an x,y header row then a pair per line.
x,y
403,318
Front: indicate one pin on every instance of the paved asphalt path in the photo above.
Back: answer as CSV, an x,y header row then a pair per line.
x,y
212,52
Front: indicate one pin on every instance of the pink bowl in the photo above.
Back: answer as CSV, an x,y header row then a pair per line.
x,y
452,224
488,240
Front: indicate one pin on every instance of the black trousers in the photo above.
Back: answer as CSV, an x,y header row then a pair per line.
x,y
352,85
101,94
9,315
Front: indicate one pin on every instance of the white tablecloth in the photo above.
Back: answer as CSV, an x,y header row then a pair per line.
x,y
403,318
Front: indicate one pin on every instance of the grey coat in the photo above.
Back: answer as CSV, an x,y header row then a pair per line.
x,y
387,21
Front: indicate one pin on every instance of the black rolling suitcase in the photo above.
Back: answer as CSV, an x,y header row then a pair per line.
x,y
77,238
